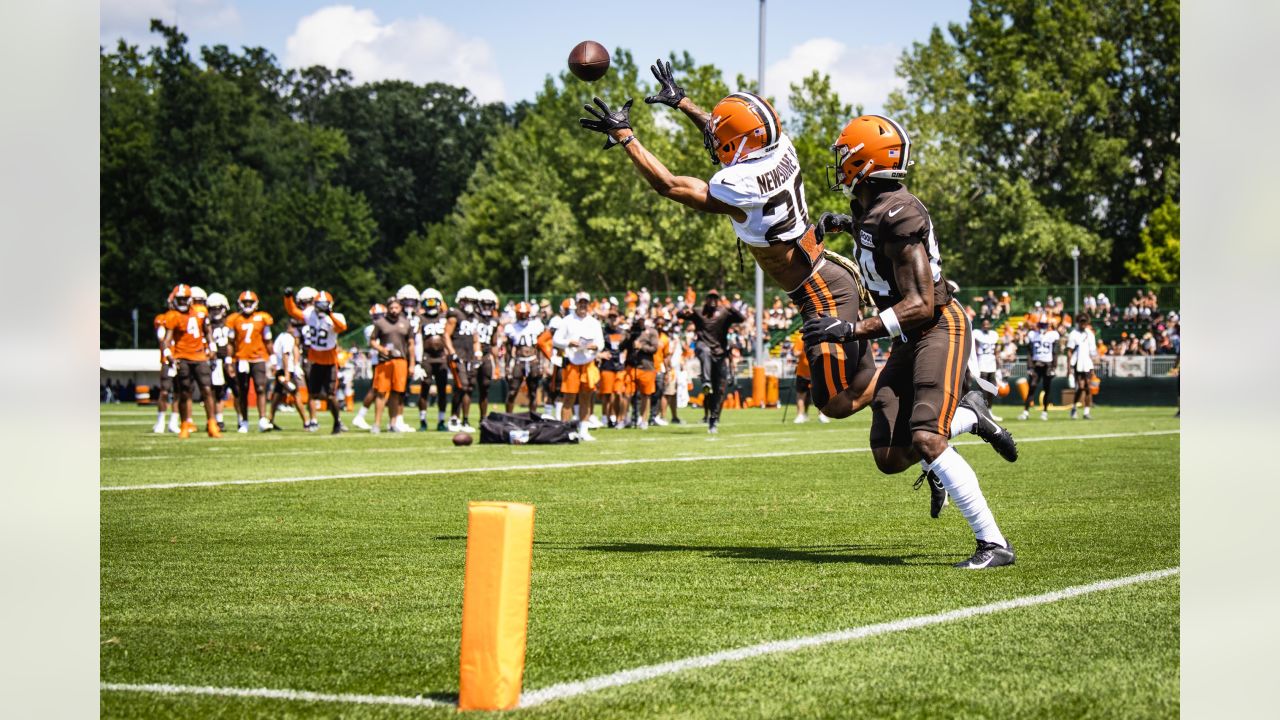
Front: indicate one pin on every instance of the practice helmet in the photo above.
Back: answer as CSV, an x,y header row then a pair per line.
x,y
742,126
869,147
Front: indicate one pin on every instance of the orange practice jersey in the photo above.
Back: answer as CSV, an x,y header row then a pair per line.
x,y
189,342
250,339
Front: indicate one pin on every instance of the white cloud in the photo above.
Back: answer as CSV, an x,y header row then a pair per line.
x,y
419,49
131,19
860,75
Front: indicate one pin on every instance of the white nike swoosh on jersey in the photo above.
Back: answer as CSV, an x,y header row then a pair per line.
x,y
896,210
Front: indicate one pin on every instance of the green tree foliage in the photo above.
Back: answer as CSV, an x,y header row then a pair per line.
x,y
817,116
1160,259
1049,121
583,215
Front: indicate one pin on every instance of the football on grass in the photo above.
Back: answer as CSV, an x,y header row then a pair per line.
x,y
462,439
589,60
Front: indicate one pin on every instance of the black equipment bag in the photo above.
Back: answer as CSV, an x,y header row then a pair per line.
x,y
523,428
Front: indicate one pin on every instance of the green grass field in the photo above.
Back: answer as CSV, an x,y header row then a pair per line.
x,y
650,547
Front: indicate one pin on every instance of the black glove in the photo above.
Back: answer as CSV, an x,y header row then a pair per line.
x,y
671,93
825,328
288,291
832,223
606,120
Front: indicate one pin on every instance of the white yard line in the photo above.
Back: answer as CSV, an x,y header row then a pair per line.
x,y
586,463
564,691
300,695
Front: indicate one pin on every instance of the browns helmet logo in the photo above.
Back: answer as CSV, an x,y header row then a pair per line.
x,y
742,126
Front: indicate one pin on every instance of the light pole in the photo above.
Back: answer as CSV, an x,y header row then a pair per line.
x,y
135,328
1075,277
759,272
524,265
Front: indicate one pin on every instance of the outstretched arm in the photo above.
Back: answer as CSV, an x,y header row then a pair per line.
x,y
672,95
688,191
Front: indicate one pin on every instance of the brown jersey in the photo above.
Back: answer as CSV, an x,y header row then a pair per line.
x,y
393,335
895,216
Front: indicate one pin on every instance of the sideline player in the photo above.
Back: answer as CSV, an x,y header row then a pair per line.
x,y
251,331
759,187
918,394
525,368
322,355
434,369
712,325
167,395
1082,351
462,346
1041,366
286,353
984,343
489,333
376,311
187,332
393,339
580,337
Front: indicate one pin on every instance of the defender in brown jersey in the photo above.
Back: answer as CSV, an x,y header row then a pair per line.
x,y
919,401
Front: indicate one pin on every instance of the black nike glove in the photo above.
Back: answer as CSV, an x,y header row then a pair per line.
x,y
825,328
288,291
671,93
832,223
606,120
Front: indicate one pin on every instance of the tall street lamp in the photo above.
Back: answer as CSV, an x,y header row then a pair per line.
x,y
1075,277
524,265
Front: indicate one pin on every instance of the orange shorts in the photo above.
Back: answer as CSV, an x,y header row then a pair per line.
x,y
609,380
390,375
578,378
625,385
647,380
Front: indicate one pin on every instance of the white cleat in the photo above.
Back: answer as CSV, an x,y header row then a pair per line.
x,y
264,425
361,423
374,429
593,423
1023,415
801,419
1044,414
242,427
466,428
158,428
585,436
659,422
823,419
643,425
174,426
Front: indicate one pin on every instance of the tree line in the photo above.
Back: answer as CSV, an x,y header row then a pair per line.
x,y
1036,128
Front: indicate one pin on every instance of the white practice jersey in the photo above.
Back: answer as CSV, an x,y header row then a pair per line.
x,y
323,330
281,349
1042,344
769,189
373,354
524,333
1083,347
985,342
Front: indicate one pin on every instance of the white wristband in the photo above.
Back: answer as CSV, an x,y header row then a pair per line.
x,y
890,320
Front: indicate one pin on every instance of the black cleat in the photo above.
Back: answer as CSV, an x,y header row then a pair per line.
x,y
988,555
988,429
338,427
441,426
937,494
422,426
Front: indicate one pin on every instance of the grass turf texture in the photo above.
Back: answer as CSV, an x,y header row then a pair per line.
x,y
355,585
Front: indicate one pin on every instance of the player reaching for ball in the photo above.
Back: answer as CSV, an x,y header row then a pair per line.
x,y
759,187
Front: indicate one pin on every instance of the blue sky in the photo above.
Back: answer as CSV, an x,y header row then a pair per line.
x,y
504,50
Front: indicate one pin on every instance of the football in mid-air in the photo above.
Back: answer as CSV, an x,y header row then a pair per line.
x,y
588,60
461,439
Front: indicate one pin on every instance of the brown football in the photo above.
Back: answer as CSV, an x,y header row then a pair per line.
x,y
461,439
589,60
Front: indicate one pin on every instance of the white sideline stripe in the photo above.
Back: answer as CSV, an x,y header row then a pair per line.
x,y
649,672
567,690
585,463
302,695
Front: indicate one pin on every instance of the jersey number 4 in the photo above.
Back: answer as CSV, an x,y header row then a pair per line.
x,y
793,197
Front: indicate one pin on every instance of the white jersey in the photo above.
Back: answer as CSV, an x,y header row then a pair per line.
x,y
1083,347
985,342
373,354
769,189
1042,345
324,332
586,331
524,333
281,349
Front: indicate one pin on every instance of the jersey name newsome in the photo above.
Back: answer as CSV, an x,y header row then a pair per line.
x,y
770,190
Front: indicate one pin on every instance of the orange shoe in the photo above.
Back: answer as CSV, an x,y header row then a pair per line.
x,y
214,432
185,432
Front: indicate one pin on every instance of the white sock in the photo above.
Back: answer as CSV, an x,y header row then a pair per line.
x,y
362,412
439,416
559,408
961,484
217,417
160,416
422,415
962,421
